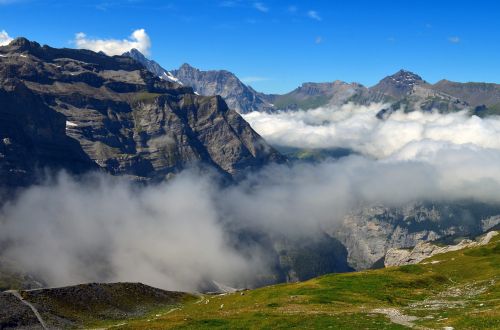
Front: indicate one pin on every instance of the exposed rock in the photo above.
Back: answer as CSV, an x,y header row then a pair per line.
x,y
369,232
33,138
126,120
424,250
152,66
16,315
237,95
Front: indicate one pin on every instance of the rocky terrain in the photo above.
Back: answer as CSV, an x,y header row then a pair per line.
x,y
75,306
425,250
237,95
368,233
403,90
86,110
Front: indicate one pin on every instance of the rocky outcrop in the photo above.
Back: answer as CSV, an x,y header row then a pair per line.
x,y
152,66
424,250
78,109
237,95
369,232
33,138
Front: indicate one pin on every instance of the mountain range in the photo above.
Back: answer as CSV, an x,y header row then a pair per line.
x,y
403,90
83,111
80,110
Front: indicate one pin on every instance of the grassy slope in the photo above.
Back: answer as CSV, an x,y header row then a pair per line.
x,y
462,291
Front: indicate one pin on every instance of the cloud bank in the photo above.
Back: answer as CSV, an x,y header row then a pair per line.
x,y
139,40
402,135
179,234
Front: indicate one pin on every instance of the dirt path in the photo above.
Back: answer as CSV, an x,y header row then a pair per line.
x,y
27,303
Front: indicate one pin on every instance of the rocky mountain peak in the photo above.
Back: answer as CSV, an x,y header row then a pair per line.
x,y
406,77
186,66
23,44
151,66
398,85
237,95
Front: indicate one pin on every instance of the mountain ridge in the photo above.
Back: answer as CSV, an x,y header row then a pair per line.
x,y
126,120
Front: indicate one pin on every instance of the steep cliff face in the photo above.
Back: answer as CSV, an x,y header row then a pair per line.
x,y
33,138
126,120
369,232
424,250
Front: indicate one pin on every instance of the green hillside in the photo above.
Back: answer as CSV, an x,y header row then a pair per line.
x,y
458,289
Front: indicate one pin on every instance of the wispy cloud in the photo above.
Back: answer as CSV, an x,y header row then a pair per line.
x,y
138,40
318,40
253,79
5,39
261,7
313,14
292,9
454,40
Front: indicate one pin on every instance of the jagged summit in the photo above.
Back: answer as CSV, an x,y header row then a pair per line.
x,y
399,84
238,96
152,66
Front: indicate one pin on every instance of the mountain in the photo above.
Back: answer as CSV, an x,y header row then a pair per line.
x,y
79,110
453,290
485,97
80,305
402,90
33,136
312,95
237,95
398,85
152,66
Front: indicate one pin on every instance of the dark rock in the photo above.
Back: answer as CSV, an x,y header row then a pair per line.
x,y
57,102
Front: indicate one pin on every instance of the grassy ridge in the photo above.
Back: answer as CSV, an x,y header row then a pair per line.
x,y
460,289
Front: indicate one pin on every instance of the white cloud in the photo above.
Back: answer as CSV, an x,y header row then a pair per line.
x,y
357,128
261,7
176,235
5,39
314,15
138,40
454,40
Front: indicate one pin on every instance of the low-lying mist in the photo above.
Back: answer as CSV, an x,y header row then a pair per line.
x,y
176,235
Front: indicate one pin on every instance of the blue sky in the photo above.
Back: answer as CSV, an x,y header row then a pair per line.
x,y
277,45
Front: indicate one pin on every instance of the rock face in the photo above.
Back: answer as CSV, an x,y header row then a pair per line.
x,y
370,232
124,118
152,66
398,85
424,250
33,137
237,95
